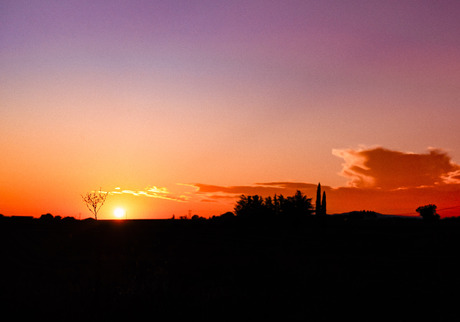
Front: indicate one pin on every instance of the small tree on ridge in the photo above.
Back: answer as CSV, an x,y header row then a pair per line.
x,y
94,201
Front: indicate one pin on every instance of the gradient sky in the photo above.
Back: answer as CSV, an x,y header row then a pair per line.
x,y
183,105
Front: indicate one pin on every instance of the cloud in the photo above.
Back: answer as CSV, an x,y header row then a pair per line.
x,y
256,188
452,177
387,169
151,192
215,192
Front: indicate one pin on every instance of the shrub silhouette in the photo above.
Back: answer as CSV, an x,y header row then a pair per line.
x,y
46,217
227,215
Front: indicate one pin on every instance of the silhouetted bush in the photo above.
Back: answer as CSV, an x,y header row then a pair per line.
x,y
68,219
196,217
227,215
46,217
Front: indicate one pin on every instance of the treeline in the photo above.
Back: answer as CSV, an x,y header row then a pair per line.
x,y
45,218
257,207
280,207
276,207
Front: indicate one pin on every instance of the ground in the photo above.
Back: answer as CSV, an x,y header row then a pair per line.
x,y
231,269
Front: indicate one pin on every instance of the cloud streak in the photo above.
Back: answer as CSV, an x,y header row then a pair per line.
x,y
216,193
151,192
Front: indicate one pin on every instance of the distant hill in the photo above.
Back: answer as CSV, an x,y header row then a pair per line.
x,y
365,214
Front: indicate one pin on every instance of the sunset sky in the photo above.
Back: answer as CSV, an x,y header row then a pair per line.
x,y
178,107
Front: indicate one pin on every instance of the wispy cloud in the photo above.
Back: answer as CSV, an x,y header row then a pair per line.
x,y
151,192
215,192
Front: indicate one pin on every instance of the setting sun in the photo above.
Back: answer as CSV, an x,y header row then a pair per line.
x,y
119,213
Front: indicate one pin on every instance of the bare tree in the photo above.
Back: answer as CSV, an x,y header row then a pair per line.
x,y
94,201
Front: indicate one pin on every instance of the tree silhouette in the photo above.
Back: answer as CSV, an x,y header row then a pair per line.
x,y
428,212
323,204
94,201
299,204
254,206
318,209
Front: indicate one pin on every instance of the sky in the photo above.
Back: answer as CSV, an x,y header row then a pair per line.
x,y
179,107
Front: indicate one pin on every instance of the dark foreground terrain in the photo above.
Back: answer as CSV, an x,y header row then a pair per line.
x,y
394,270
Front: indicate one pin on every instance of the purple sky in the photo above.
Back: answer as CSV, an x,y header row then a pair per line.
x,y
221,92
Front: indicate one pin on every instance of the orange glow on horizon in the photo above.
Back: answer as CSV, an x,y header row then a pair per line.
x,y
376,192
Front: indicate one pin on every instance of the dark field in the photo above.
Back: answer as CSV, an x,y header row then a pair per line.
x,y
392,269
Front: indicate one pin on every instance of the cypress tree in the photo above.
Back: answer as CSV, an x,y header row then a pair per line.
x,y
323,204
318,200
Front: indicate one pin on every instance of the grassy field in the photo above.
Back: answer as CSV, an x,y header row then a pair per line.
x,y
392,269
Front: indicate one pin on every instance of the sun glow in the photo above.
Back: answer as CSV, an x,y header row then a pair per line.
x,y
119,213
